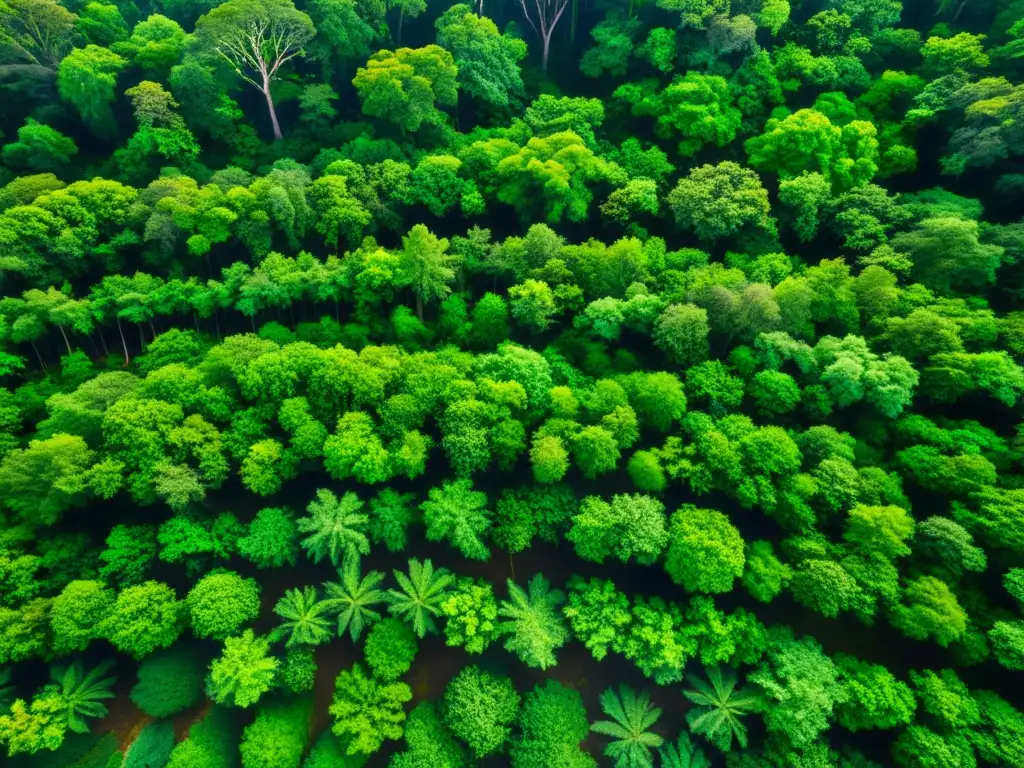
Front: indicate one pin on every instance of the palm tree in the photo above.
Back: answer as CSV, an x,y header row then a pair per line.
x,y
419,598
534,621
336,528
631,719
305,621
719,708
683,754
352,596
82,692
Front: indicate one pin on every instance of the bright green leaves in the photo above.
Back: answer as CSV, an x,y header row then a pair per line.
x,y
533,622
696,108
479,708
552,176
705,551
720,708
632,716
626,527
221,603
336,528
39,149
243,672
807,142
458,514
721,200
367,711
487,60
406,86
420,595
87,78
390,649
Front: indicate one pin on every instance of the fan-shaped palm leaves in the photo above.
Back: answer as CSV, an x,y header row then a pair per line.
x,y
534,621
632,716
336,528
305,617
683,754
352,597
418,599
82,692
719,708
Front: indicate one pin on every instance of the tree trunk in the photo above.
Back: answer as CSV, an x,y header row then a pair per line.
x,y
38,356
216,322
547,46
273,114
151,328
120,330
66,342
252,321
419,307
103,342
401,17
142,338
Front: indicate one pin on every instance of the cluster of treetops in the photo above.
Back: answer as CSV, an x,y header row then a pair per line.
x,y
250,241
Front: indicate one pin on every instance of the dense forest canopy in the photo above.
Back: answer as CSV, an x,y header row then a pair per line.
x,y
541,383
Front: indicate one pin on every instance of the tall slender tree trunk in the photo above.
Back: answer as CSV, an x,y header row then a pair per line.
x,y
142,338
401,18
103,342
216,322
66,342
270,108
419,307
547,47
38,356
124,344
151,328
575,17
252,321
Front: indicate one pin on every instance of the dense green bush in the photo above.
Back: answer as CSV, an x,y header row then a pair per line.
x,y
152,747
171,681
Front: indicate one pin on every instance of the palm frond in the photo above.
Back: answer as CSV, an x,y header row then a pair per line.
x,y
632,716
683,754
720,707
336,528
352,596
419,596
533,621
305,621
83,692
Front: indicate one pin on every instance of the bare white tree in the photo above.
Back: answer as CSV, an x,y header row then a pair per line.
x,y
546,14
257,37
